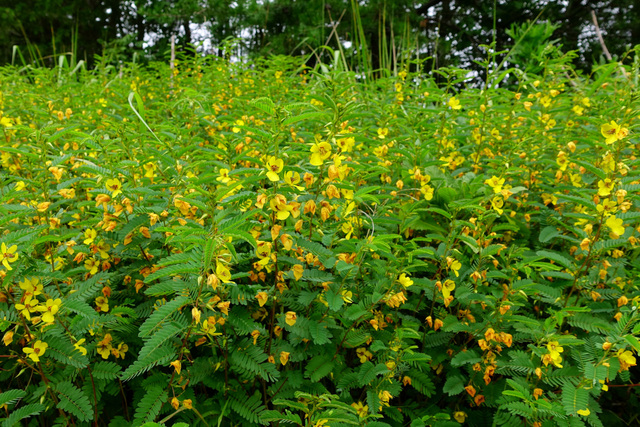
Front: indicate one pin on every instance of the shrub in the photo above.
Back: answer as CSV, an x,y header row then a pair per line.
x,y
271,245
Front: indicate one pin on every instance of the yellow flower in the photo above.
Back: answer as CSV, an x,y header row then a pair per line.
x,y
8,255
79,347
447,288
57,172
607,207
537,392
209,326
274,167
562,160
236,129
50,308
177,366
279,205
213,281
8,338
384,396
175,403
120,351
405,280
454,103
454,265
554,346
554,354
102,303
298,270
263,251
223,273
103,248
114,185
460,416
104,347
262,298
224,176
43,206
36,351
224,307
67,193
319,153
626,359
347,296
584,412
496,204
284,357
613,132
287,242
615,225
346,144
290,318
92,265
29,306
89,236
361,410
255,334
495,183
347,229
363,354
605,187
427,191
187,403
293,178
31,287
149,170
195,314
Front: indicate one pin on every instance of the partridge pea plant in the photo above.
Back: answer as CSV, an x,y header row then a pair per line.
x,y
269,244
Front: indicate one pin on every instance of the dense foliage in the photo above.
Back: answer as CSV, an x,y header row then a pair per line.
x,y
226,244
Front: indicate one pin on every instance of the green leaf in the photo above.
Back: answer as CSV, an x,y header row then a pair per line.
x,y
253,361
175,270
74,401
17,415
163,314
104,370
574,399
303,116
160,337
276,416
160,356
554,256
633,341
357,311
249,408
454,385
547,234
319,333
265,104
10,397
422,382
319,367
465,357
595,373
334,300
150,404
368,372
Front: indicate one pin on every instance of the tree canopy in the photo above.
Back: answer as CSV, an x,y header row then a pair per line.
x,y
451,32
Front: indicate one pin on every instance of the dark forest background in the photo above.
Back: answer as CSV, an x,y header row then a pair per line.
x,y
451,33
